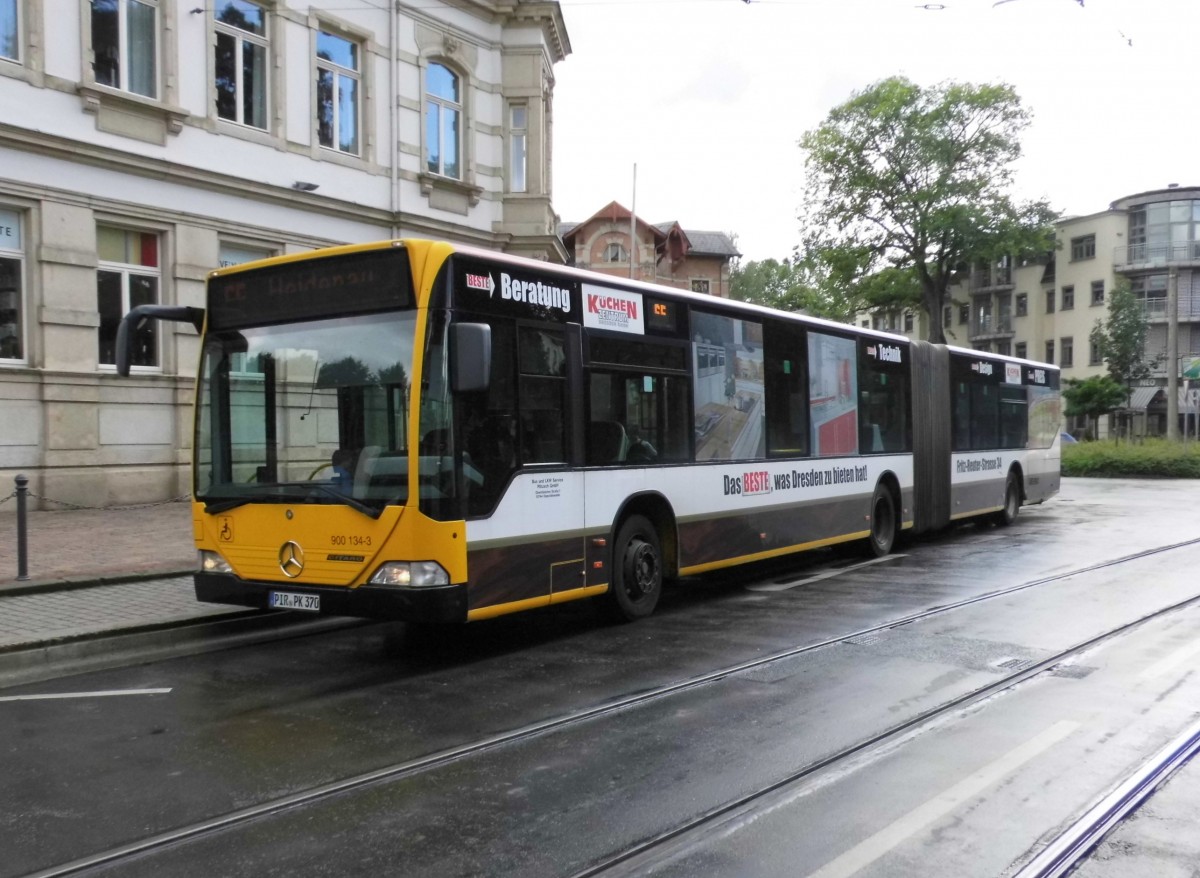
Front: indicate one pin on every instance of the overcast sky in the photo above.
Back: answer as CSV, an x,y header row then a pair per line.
x,y
709,98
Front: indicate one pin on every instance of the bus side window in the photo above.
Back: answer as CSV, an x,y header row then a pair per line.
x,y
488,424
542,394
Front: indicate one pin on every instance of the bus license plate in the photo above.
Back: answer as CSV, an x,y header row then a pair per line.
x,y
289,600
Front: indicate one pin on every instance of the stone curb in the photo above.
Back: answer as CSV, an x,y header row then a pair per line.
x,y
12,588
105,650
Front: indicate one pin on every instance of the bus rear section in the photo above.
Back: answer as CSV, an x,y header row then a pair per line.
x,y
987,435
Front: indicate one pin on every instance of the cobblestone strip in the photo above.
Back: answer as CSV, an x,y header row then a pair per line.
x,y
33,619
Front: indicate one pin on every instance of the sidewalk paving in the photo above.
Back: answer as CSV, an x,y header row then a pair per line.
x,y
91,571
91,545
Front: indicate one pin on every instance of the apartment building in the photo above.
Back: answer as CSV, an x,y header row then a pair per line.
x,y
146,142
613,241
1045,309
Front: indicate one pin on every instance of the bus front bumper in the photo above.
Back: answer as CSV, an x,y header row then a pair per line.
x,y
431,604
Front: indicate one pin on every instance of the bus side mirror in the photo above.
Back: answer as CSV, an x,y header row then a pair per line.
x,y
127,329
470,357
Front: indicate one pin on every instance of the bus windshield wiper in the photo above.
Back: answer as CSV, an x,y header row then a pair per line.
x,y
223,504
278,493
352,502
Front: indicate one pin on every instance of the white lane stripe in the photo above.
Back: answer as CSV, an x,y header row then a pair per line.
x,y
829,574
867,852
109,693
1170,663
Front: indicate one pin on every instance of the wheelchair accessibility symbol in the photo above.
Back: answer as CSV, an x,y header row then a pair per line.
x,y
226,532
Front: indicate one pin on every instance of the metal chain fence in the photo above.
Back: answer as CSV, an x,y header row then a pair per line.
x,y
22,494
68,505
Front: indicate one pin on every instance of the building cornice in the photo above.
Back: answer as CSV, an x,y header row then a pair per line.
x,y
78,152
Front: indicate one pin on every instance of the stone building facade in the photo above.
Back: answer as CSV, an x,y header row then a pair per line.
x,y
150,141
612,241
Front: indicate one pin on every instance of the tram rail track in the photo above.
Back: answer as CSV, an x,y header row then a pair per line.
x,y
638,857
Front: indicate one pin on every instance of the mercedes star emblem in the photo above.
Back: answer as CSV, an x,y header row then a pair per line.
x,y
291,559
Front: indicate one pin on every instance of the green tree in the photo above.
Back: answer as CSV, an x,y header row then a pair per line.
x,y
1121,340
1092,397
769,282
907,184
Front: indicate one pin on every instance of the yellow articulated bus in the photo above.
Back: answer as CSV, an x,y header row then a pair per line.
x,y
420,431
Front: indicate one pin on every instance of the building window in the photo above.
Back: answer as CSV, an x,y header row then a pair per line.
x,y
125,45
964,314
983,324
701,285
1022,304
12,273
443,122
241,62
908,321
518,147
1068,298
10,30
1083,248
1020,350
1094,358
338,93
947,316
1050,352
614,251
127,276
1067,352
866,324
1004,348
236,254
1151,291
1097,292
1049,301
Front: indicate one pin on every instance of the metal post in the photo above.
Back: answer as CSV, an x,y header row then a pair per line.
x,y
22,544
633,223
1172,353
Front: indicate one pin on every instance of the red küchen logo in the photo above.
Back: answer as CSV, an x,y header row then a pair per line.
x,y
597,304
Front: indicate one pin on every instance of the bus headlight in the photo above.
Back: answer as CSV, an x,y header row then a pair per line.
x,y
211,562
411,573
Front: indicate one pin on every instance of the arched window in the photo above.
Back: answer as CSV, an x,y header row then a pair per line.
x,y
615,252
443,122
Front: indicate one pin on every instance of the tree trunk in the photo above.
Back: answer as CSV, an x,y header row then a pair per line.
x,y
931,299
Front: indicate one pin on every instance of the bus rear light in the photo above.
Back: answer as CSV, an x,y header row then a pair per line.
x,y
598,565
411,573
211,562
600,542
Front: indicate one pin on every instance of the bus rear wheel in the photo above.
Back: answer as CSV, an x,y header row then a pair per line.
x,y
637,571
1012,502
883,522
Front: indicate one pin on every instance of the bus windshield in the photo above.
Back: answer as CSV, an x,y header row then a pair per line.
x,y
315,411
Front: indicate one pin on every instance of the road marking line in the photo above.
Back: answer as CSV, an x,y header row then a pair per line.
x,y
829,574
863,854
1170,662
102,694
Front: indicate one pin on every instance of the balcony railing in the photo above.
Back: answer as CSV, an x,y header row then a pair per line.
x,y
985,278
991,326
1157,254
1154,308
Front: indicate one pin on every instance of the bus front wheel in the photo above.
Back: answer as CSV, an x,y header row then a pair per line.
x,y
637,571
883,522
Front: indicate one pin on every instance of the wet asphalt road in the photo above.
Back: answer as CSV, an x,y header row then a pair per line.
x,y
972,792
